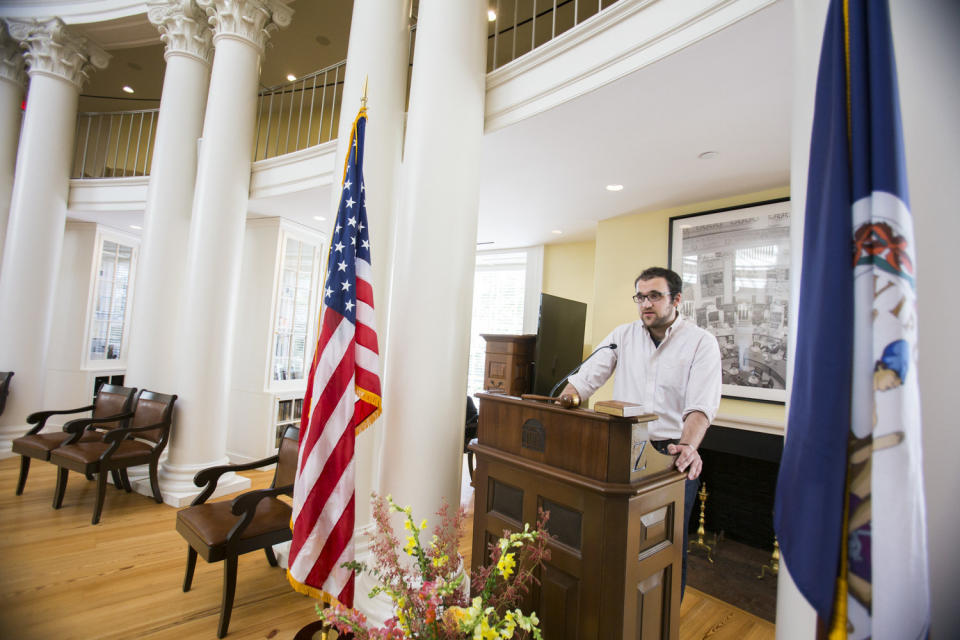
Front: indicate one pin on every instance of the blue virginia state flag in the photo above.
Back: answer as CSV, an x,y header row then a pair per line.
x,y
850,515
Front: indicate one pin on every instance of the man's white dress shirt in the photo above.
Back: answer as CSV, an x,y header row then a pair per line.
x,y
680,376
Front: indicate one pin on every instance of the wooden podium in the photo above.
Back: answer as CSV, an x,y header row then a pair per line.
x,y
616,513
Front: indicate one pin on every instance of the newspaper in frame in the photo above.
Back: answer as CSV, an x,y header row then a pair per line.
x,y
735,266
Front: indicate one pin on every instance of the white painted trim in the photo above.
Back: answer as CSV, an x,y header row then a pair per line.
x,y
296,171
615,42
108,194
74,11
760,425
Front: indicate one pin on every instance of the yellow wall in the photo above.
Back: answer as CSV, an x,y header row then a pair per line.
x,y
568,273
624,246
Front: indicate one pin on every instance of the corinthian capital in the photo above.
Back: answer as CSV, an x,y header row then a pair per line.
x,y
183,27
11,58
51,49
250,20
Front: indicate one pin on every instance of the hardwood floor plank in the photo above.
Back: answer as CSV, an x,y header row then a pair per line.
x,y
61,577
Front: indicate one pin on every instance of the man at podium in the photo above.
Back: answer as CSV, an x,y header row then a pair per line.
x,y
669,364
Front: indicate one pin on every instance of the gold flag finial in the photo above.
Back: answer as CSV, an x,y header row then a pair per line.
x,y
363,98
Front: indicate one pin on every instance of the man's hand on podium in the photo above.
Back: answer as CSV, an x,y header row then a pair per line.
x,y
688,459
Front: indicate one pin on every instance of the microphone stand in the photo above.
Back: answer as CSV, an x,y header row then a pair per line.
x,y
577,368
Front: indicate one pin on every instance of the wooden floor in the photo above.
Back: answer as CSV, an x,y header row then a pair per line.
x,y
62,578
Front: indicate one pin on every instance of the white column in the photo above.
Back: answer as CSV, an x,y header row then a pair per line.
x,y
378,53
379,40
431,295
198,440
12,81
161,275
57,63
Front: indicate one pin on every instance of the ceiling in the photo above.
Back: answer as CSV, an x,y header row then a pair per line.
x,y
729,93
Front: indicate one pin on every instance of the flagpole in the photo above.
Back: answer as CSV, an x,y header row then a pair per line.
x,y
363,98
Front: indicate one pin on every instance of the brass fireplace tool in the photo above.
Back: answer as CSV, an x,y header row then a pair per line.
x,y
699,543
773,566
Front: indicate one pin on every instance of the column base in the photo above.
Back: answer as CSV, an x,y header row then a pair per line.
x,y
176,482
379,609
9,433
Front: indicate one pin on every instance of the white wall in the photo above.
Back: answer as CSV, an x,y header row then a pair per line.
x,y
926,37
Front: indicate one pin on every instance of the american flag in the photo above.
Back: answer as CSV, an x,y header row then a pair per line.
x,y
342,399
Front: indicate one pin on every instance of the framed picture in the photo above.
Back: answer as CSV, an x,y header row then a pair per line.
x,y
735,265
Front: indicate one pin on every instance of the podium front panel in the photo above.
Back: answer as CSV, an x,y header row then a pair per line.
x,y
616,554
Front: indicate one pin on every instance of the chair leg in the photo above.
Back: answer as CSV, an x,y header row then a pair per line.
x,y
155,483
101,492
61,487
126,481
470,464
272,559
191,565
229,588
24,470
117,482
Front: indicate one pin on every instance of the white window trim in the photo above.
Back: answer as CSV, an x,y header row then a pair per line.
x,y
102,235
295,231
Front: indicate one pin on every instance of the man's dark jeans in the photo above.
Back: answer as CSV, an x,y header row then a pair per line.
x,y
690,498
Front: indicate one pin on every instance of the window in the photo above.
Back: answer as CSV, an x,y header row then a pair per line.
x,y
506,291
294,304
111,296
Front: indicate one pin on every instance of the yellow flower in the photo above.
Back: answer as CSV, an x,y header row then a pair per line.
x,y
407,525
411,544
485,631
423,525
439,561
506,564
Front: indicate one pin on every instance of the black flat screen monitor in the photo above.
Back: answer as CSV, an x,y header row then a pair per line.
x,y
559,345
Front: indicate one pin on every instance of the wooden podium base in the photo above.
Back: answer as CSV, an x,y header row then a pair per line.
x,y
616,515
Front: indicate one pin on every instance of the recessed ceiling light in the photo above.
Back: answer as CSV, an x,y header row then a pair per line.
x,y
708,155
291,77
135,226
614,187
320,218
127,88
557,231
491,15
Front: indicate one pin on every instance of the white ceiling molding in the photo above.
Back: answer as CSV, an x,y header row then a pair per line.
x,y
73,11
629,35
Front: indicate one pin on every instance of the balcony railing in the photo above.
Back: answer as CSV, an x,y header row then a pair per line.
x,y
306,112
299,114
114,145
523,25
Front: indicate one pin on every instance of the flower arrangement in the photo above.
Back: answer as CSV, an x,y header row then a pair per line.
x,y
426,582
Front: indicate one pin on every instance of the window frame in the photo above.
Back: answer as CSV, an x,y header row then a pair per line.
x,y
101,236
319,242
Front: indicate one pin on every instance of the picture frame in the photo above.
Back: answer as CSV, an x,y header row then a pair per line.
x,y
735,266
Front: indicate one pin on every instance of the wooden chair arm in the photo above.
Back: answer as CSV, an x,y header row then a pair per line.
x,y
121,433
246,506
40,417
211,476
78,426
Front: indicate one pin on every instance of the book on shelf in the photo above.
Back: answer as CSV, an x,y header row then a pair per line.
x,y
620,408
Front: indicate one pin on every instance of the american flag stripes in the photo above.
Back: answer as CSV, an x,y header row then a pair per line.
x,y
342,399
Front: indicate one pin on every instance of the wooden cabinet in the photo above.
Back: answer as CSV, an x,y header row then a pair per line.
x,y
508,364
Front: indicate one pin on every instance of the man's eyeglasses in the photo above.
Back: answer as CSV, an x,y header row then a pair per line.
x,y
653,296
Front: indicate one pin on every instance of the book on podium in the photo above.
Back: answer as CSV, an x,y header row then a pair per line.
x,y
620,408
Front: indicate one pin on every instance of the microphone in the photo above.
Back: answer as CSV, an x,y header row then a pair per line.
x,y
577,368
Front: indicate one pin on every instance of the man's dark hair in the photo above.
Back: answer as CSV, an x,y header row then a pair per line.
x,y
674,282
